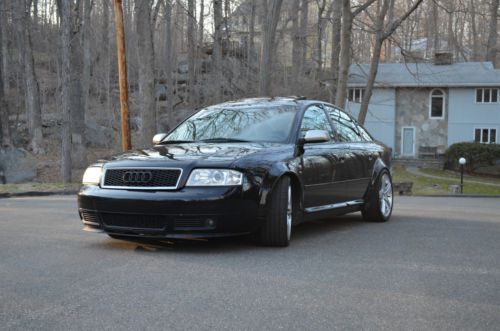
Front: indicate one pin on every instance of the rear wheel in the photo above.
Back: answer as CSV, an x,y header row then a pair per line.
x,y
277,229
378,207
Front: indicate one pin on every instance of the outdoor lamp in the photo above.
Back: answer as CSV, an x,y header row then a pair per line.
x,y
462,161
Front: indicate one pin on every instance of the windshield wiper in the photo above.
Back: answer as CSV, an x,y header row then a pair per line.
x,y
166,142
224,140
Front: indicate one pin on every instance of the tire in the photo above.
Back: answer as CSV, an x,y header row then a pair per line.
x,y
277,229
379,200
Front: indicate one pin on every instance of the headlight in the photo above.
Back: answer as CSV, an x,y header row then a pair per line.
x,y
215,177
92,175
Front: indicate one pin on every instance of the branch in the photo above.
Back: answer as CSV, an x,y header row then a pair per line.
x,y
400,20
362,7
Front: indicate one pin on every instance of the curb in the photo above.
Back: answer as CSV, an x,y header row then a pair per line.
x,y
36,194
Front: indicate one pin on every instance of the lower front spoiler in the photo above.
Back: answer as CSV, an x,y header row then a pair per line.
x,y
151,236
168,226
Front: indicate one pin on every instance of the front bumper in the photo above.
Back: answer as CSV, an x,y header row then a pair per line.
x,y
185,213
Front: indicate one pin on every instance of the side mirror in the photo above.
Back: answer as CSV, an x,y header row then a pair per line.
x,y
316,136
158,138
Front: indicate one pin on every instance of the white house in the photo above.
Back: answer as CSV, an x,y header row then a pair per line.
x,y
419,107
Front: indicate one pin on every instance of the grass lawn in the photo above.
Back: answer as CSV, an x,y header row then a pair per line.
x,y
430,186
38,187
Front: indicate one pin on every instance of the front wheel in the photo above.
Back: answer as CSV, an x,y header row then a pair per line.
x,y
277,229
379,200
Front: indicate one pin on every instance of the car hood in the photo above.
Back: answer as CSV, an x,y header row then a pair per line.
x,y
188,153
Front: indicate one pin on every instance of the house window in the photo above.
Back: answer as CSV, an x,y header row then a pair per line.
x,y
437,104
485,135
356,94
487,95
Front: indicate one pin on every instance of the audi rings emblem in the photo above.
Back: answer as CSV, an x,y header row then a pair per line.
x,y
137,177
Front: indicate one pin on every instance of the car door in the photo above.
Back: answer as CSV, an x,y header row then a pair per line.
x,y
319,160
353,172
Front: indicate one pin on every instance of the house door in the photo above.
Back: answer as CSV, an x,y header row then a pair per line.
x,y
408,141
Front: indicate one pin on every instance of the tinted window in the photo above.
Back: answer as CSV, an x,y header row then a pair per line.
x,y
315,119
345,127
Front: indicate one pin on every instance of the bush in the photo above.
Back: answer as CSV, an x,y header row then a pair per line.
x,y
477,155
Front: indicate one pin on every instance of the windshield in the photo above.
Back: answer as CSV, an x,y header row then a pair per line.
x,y
259,124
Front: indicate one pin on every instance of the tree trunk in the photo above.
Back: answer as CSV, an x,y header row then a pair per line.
x,y
491,50
169,64
334,60
201,31
296,42
250,51
87,10
345,53
191,50
217,50
4,115
273,15
375,60
381,35
5,47
304,33
32,89
146,71
319,41
65,29
78,153
475,41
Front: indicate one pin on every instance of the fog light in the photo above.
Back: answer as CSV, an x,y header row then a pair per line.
x,y
210,222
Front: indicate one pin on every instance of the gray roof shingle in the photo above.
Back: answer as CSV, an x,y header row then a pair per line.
x,y
466,74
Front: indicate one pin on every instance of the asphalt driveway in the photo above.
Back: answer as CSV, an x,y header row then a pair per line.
x,y
435,265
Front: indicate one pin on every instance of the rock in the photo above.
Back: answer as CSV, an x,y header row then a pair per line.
x,y
17,165
97,135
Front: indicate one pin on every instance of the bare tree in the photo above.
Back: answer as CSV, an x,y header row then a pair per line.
x,y
4,45
4,116
491,50
65,30
381,34
345,47
146,71
169,62
304,33
191,49
334,58
32,89
272,18
217,49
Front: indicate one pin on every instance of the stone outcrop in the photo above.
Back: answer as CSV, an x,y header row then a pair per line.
x,y
17,165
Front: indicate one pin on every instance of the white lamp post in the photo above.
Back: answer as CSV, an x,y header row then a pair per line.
x,y
462,161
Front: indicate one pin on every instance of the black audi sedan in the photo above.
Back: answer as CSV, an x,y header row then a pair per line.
x,y
253,166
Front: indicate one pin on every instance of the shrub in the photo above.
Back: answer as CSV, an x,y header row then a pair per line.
x,y
476,154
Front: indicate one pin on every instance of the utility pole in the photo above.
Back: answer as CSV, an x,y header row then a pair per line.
x,y
122,75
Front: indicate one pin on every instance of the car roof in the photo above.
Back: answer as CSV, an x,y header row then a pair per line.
x,y
269,102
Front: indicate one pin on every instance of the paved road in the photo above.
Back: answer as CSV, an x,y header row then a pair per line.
x,y
435,265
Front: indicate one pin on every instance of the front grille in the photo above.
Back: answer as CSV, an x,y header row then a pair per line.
x,y
145,178
157,222
90,217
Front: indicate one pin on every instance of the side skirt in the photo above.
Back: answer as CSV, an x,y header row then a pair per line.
x,y
335,209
